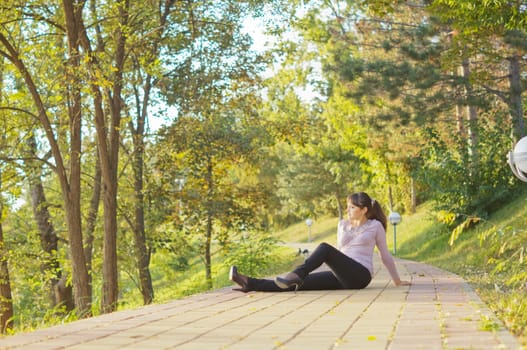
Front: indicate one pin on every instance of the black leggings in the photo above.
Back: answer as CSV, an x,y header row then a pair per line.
x,y
345,273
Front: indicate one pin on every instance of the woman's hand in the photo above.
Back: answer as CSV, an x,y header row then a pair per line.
x,y
399,283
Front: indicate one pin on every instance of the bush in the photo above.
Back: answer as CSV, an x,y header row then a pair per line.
x,y
252,253
462,186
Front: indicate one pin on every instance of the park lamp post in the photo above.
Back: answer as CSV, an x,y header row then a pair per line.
x,y
517,159
394,218
309,223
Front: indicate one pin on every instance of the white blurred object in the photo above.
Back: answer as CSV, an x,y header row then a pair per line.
x,y
517,159
394,218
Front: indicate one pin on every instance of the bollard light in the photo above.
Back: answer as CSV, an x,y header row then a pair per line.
x,y
517,159
394,218
309,222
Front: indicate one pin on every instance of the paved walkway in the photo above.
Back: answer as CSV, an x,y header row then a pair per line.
x,y
438,311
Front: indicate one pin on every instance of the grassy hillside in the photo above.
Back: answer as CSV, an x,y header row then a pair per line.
x,y
322,230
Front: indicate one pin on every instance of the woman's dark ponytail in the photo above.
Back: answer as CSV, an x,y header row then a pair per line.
x,y
363,200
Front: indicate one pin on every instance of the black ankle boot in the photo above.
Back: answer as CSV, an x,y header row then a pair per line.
x,y
239,279
290,280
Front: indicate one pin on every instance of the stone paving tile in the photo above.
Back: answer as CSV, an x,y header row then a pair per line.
x,y
439,311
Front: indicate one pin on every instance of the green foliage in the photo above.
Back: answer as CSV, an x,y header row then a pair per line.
x,y
463,226
482,15
488,324
506,254
510,307
252,252
461,187
311,180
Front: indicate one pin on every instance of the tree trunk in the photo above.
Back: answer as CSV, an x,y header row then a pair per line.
x,y
6,299
91,219
70,188
472,122
64,293
108,163
390,197
109,141
48,236
208,260
74,224
110,288
142,254
460,122
515,106
73,17
108,138
390,193
210,214
414,195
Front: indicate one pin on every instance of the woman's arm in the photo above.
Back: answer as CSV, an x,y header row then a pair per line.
x,y
387,258
342,238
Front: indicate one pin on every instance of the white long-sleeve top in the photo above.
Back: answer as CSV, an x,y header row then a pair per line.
x,y
358,243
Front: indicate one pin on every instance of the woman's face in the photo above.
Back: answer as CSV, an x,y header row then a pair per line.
x,y
355,212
